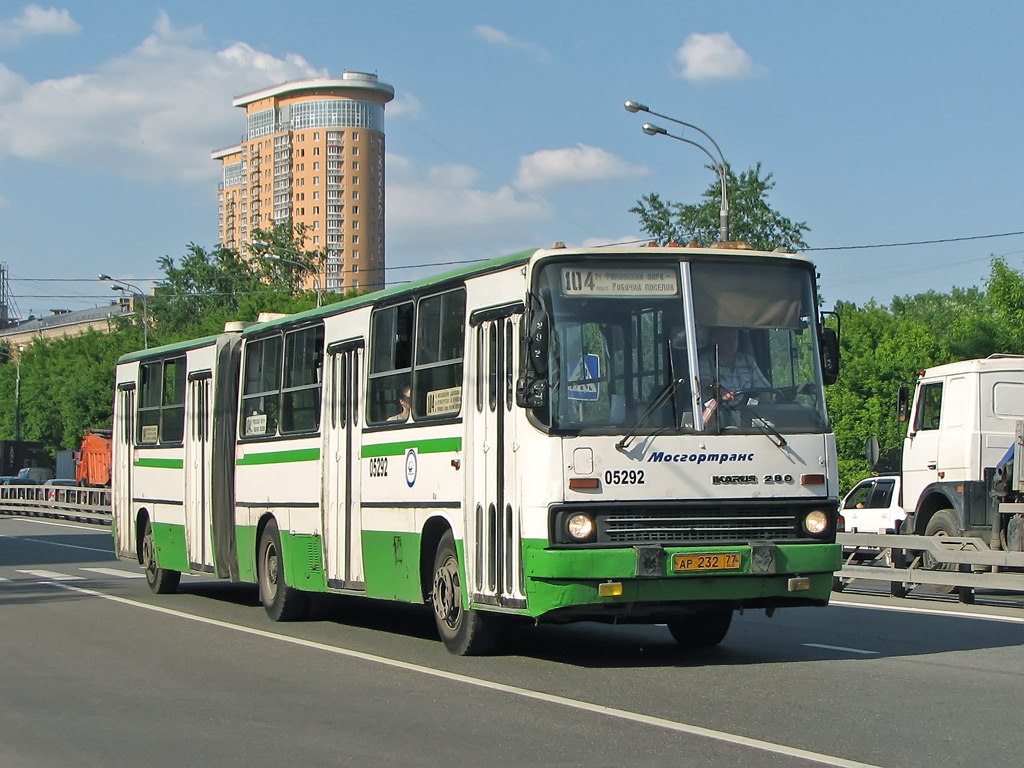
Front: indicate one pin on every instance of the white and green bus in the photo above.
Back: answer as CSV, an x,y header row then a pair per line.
x,y
556,435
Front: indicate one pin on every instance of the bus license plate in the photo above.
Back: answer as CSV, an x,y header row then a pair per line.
x,y
718,561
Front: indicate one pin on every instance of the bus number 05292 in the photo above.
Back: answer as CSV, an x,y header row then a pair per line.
x,y
624,477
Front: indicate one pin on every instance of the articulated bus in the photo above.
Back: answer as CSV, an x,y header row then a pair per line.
x,y
551,436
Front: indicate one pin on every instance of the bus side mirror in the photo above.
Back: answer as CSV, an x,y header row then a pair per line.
x,y
903,404
537,343
829,355
532,386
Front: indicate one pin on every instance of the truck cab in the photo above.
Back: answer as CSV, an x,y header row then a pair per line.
x,y
961,421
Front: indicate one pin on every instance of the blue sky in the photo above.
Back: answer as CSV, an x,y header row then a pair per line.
x,y
882,122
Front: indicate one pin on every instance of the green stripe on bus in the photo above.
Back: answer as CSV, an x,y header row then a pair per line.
x,y
437,445
160,463
279,457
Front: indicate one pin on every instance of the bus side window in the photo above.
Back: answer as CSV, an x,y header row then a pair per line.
x,y
390,372
261,387
300,393
440,338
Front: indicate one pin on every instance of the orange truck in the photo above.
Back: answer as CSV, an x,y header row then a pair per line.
x,y
92,459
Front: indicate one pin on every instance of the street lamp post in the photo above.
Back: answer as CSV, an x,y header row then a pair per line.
x,y
17,387
312,269
17,398
126,287
718,163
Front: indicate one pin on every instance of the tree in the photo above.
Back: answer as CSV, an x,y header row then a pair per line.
x,y
751,218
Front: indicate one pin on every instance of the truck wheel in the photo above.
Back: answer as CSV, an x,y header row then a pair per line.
x,y
701,630
282,603
942,523
160,580
464,631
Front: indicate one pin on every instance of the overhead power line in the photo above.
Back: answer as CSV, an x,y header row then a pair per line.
x,y
914,242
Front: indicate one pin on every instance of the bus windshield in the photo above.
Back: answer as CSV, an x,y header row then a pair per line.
x,y
649,347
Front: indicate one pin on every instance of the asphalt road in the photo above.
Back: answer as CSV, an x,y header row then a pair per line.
x,y
97,671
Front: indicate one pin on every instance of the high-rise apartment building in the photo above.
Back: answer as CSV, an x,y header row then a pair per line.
x,y
312,153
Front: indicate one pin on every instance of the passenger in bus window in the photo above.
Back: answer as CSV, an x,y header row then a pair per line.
x,y
737,369
404,401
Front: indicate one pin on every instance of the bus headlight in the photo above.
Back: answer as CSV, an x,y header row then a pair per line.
x,y
816,522
580,527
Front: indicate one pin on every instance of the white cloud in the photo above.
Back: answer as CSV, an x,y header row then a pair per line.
x,y
501,39
574,165
715,57
443,206
154,113
405,105
36,21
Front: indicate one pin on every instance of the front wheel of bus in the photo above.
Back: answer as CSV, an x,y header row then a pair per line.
x,y
160,580
701,630
465,632
283,603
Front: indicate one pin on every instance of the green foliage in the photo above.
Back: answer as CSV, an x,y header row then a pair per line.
x,y
66,387
751,218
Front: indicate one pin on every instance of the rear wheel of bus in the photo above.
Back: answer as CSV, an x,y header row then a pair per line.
x,y
465,632
282,603
160,580
701,630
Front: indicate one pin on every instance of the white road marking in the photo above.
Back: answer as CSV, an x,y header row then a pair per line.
x,y
949,614
583,706
2,578
840,648
53,575
116,572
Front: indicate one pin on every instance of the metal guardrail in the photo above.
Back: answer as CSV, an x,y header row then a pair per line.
x,y
90,505
963,562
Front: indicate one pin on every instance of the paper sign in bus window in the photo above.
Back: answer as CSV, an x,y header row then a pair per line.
x,y
256,424
444,401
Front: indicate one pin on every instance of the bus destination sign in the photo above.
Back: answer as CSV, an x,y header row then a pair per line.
x,y
619,283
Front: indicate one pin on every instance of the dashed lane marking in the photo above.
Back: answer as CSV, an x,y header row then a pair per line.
x,y
53,575
841,648
116,572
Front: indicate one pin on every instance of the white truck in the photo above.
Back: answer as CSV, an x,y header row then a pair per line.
x,y
962,494
962,421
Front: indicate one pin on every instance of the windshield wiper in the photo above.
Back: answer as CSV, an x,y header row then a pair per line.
x,y
764,426
667,391
662,397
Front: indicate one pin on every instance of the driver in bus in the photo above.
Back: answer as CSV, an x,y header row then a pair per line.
x,y
737,370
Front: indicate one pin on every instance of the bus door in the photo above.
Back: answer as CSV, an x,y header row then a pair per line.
x,y
197,479
493,550
342,524
122,451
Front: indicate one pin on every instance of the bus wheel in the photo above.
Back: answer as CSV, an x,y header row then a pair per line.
x,y
160,580
701,630
465,632
282,603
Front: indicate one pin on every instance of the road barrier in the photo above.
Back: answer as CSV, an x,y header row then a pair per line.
x,y
962,562
89,505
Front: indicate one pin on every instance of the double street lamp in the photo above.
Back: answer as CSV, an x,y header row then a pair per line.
x,y
134,290
718,163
